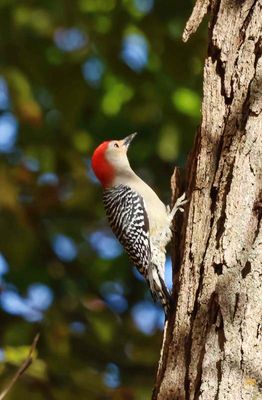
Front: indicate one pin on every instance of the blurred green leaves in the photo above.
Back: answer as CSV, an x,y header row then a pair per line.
x,y
15,356
168,145
24,103
187,102
96,6
117,94
83,142
37,20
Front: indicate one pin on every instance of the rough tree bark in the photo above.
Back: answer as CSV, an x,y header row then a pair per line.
x,y
212,342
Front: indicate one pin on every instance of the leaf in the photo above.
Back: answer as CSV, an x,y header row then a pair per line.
x,y
187,102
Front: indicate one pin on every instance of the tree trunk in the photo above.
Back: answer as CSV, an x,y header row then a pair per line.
x,y
212,340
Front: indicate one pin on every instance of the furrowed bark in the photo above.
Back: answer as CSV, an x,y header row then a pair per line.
x,y
212,344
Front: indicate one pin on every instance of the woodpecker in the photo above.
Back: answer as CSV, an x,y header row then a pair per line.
x,y
136,215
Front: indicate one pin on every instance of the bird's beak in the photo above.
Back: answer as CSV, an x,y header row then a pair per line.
x,y
128,139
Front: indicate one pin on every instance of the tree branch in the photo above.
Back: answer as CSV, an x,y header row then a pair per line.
x,y
198,13
23,367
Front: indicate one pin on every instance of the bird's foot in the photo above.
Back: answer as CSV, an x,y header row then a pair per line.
x,y
181,201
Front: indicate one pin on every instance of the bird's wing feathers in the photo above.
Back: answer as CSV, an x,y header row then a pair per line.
x,y
128,219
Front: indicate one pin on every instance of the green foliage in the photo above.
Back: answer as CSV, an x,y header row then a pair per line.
x,y
78,73
186,101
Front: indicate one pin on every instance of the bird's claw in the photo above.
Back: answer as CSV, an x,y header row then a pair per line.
x,y
181,201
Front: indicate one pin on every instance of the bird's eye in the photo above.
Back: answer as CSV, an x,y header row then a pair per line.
x,y
116,145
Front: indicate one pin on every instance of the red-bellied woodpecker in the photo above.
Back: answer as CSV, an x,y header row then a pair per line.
x,y
138,218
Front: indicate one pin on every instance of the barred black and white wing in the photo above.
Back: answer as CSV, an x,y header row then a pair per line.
x,y
128,219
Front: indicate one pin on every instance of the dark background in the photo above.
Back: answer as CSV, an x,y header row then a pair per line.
x,y
72,74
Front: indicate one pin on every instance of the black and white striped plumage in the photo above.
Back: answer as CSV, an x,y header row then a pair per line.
x,y
128,219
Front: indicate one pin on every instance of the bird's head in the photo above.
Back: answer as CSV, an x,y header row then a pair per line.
x,y
110,160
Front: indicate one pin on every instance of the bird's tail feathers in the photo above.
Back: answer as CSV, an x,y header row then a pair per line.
x,y
158,288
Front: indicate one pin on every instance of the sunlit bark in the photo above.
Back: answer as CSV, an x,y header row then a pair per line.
x,y
212,346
